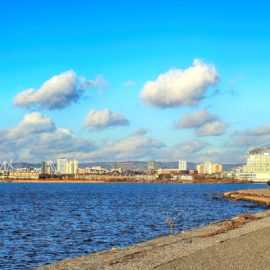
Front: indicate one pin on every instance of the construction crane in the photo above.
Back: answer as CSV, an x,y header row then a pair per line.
x,y
8,167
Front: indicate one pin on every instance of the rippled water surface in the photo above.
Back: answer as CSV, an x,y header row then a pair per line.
x,y
43,223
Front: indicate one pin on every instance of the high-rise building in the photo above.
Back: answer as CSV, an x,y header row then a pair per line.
x,y
182,165
62,165
73,166
200,168
46,167
216,168
151,165
208,167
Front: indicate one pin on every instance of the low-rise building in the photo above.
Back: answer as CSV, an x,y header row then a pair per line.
x,y
23,175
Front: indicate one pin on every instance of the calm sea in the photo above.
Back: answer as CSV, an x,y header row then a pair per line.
x,y
43,223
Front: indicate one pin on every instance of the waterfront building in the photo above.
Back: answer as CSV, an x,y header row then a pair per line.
x,y
62,165
257,167
209,168
23,175
46,167
182,165
217,168
200,168
72,166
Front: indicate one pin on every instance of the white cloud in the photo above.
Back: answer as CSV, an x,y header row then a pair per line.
x,y
216,128
255,137
31,123
35,138
186,150
177,87
129,148
104,118
57,92
196,119
129,83
204,123
223,155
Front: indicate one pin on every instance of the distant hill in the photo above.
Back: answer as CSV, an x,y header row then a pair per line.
x,y
26,165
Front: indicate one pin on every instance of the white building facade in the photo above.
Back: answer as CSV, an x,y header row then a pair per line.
x,y
258,165
73,166
62,165
182,165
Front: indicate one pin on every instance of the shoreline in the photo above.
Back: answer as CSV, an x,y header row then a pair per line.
x,y
226,244
259,196
211,246
206,181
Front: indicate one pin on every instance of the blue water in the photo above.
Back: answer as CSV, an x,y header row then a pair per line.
x,y
43,223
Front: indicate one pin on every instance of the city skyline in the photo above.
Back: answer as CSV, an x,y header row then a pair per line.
x,y
153,81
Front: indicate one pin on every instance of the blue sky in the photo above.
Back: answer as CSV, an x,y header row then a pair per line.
x,y
109,43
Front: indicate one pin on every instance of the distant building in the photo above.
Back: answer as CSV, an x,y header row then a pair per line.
x,y
72,166
46,167
151,165
23,175
62,165
209,168
182,165
258,165
200,168
217,168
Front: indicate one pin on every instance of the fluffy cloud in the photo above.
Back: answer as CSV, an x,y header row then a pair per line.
x,y
186,150
36,138
58,92
126,149
216,128
256,137
225,156
204,123
104,118
31,123
180,87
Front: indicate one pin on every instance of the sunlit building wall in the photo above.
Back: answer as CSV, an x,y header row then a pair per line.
x,y
209,168
62,165
182,165
73,166
258,165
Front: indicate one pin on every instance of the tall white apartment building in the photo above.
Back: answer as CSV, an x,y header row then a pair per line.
x,y
62,165
65,166
73,166
182,165
258,165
